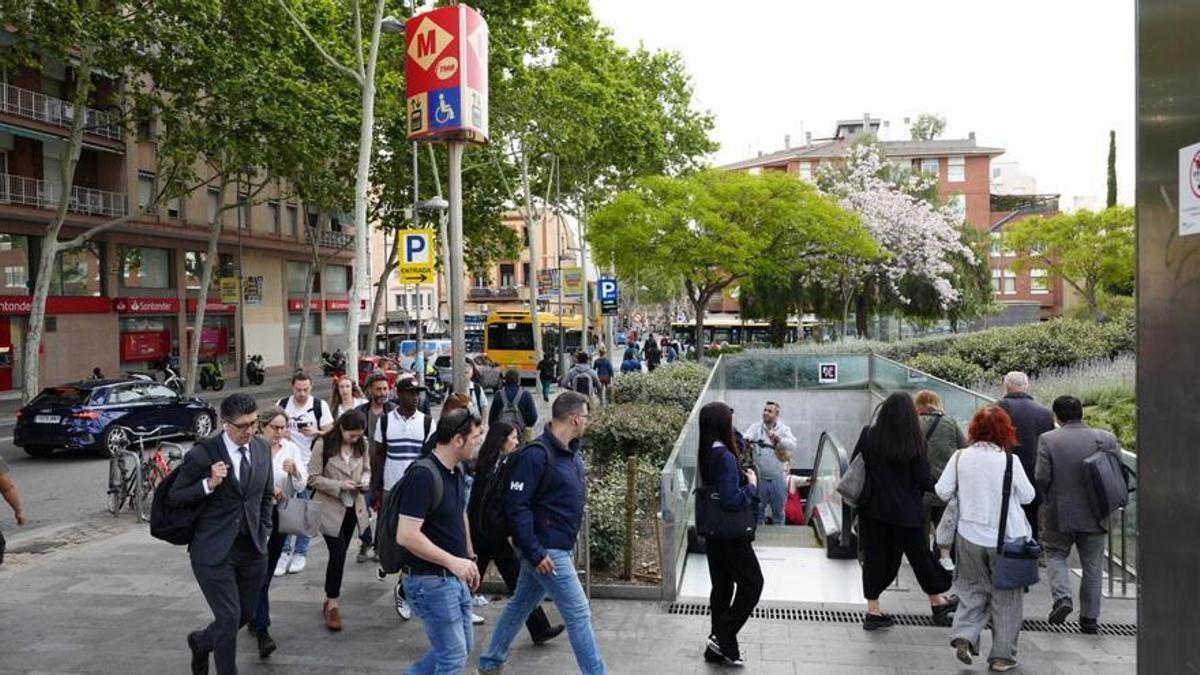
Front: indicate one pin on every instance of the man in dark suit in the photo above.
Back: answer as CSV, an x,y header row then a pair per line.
x,y
1032,419
231,474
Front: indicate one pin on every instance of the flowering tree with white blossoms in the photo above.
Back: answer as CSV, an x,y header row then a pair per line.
x,y
919,238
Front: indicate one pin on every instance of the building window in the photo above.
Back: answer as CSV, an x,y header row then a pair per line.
x,y
193,269
293,220
995,244
995,172
14,258
145,189
755,170
174,208
144,267
314,323
335,323
297,274
507,276
214,204
273,216
401,301
958,207
247,208
480,280
337,279
525,274
956,169
1039,282
78,272
15,277
930,165
1010,282
997,276
806,171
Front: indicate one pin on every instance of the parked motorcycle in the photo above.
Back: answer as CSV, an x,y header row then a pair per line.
x,y
255,373
169,368
333,364
211,375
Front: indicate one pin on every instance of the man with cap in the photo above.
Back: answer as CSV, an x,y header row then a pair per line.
x,y
399,440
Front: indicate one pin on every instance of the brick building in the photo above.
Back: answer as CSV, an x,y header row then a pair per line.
x,y
130,295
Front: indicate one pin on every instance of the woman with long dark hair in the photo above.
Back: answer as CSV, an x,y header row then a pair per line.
x,y
498,447
339,473
891,518
733,569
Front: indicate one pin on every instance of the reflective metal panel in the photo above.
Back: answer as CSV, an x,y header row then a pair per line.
x,y
1168,118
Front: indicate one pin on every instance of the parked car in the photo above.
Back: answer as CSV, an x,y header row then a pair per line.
x,y
98,415
489,371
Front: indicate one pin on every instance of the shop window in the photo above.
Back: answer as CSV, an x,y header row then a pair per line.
x,y
337,279
314,324
193,269
78,272
144,267
335,323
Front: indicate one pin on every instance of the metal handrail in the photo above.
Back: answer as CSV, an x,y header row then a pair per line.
x,y
38,106
843,463
46,195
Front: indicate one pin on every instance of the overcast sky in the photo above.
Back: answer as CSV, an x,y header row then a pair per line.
x,y
1044,80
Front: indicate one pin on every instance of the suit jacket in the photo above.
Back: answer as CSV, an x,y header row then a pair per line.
x,y
1060,475
220,520
1032,419
325,476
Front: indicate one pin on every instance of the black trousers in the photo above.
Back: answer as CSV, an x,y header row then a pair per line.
x,y
883,544
510,568
231,589
1031,514
337,554
737,584
262,613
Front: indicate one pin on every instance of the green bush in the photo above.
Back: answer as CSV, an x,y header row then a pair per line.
x,y
677,384
643,430
949,367
606,511
1033,348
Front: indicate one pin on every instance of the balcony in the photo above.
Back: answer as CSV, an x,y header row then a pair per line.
x,y
484,294
42,108
41,194
329,238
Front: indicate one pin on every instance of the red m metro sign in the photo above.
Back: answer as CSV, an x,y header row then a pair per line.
x,y
446,68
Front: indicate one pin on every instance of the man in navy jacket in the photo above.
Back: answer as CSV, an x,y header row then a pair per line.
x,y
545,513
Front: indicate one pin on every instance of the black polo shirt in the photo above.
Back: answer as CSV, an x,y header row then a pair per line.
x,y
444,525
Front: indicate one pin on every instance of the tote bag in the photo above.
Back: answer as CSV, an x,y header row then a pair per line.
x,y
298,516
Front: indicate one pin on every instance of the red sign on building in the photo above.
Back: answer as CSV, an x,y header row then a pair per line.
x,y
145,345
342,305
211,306
446,65
146,305
298,305
55,304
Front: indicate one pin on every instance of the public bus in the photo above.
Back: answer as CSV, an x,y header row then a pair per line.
x,y
508,338
735,331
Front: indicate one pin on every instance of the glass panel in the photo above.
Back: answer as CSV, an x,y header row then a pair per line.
x,y
337,279
143,267
78,272
14,259
520,336
335,323
193,269
297,275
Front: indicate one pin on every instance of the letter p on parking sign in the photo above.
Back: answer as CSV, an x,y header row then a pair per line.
x,y
416,256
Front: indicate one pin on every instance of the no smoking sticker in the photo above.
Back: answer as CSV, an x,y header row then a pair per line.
x,y
1189,190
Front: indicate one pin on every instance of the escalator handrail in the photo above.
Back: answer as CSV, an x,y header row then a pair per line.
x,y
827,441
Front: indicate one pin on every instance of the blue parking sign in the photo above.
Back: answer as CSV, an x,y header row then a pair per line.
x,y
609,295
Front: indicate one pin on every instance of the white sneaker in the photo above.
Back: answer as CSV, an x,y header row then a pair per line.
x,y
297,564
282,565
402,606
946,563
480,601
476,619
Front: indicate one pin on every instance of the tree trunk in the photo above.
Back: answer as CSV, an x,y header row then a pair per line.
x,y
389,267
192,369
860,318
847,297
314,264
699,306
41,290
778,332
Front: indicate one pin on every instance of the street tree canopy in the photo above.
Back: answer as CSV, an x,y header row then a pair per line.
x,y
927,127
1088,250
713,229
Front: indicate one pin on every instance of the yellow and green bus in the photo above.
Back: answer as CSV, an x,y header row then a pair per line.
x,y
508,338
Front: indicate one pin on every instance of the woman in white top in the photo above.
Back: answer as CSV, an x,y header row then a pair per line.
x,y
975,475
346,396
287,467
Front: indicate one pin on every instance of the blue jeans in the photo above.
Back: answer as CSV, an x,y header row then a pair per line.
x,y
444,605
772,495
564,588
295,543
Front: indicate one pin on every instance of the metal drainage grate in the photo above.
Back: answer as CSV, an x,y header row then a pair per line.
x,y
842,616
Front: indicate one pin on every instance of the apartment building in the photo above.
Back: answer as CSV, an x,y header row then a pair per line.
x,y
964,181
130,295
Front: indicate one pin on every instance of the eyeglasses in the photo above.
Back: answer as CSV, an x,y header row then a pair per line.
x,y
241,427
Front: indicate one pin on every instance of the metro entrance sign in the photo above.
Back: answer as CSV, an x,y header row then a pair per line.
x,y
446,66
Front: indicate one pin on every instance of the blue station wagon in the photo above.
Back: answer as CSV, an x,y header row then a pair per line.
x,y
98,415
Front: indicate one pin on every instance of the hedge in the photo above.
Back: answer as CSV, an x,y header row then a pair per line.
x,y
643,430
949,367
677,384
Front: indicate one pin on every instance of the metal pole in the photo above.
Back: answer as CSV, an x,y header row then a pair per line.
x,y
587,284
240,352
419,357
458,337
535,248
563,364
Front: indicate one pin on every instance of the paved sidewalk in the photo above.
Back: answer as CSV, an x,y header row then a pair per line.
x,y
124,603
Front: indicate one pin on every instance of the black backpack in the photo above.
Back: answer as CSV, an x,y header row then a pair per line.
x,y
583,384
510,411
493,520
173,524
393,556
315,409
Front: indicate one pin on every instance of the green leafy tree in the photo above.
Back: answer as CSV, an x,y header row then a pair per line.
x,y
927,127
1112,169
1088,250
711,230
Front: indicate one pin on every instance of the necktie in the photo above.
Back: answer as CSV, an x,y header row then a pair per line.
x,y
244,469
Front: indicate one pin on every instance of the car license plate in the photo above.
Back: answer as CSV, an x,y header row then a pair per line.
x,y
47,419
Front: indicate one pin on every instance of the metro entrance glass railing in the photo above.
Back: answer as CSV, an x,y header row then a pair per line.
x,y
775,374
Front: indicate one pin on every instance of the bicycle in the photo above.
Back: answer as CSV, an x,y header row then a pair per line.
x,y
133,474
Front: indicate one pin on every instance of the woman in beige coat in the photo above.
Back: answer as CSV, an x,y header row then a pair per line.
x,y
339,473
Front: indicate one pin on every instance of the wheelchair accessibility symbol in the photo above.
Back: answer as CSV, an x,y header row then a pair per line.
x,y
444,113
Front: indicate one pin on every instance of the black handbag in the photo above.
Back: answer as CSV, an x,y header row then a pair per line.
x,y
1016,561
714,522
